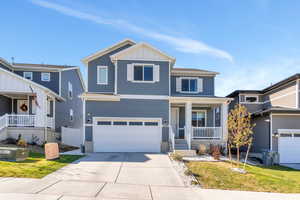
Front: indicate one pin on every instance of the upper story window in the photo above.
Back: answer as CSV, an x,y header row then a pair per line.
x,y
27,75
189,84
250,99
70,90
145,73
45,76
102,75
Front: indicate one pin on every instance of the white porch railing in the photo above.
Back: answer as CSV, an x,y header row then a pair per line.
x,y
207,132
3,122
50,122
20,120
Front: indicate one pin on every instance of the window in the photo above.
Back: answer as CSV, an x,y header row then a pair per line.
x,y
45,76
27,75
251,99
70,90
71,115
120,123
102,75
143,73
48,107
151,123
104,123
135,123
199,118
189,85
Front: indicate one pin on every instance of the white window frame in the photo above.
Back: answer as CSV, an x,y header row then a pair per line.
x,y
28,73
48,107
143,65
43,76
71,115
70,90
256,102
98,77
189,78
205,117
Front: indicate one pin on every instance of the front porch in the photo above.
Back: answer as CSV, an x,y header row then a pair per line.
x,y
197,120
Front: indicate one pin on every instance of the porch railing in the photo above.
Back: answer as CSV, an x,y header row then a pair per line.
x,y
3,122
20,120
50,122
207,132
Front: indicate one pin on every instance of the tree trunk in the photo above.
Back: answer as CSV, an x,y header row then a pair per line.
x,y
238,155
249,146
229,153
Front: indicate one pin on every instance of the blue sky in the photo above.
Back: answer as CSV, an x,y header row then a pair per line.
x,y
252,43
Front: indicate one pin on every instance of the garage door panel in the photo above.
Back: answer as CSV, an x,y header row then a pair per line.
x,y
120,138
289,149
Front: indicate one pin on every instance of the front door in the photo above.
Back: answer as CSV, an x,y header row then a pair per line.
x,y
23,107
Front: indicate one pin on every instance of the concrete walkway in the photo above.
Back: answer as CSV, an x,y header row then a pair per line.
x,y
112,176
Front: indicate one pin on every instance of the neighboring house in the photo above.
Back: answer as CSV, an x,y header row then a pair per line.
x,y
137,101
36,100
276,113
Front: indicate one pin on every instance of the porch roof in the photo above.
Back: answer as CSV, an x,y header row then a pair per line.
x,y
203,99
27,82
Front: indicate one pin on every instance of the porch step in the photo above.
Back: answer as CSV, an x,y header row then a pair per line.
x,y
180,141
181,144
187,153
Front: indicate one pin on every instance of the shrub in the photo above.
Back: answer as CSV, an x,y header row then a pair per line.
x,y
176,156
10,141
202,149
22,143
215,151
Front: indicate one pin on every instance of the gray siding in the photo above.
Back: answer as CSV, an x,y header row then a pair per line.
x,y
208,87
62,109
253,107
92,72
128,108
261,134
283,122
158,88
53,84
5,105
4,67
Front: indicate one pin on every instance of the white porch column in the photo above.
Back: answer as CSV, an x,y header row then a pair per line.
x,y
41,109
224,116
188,123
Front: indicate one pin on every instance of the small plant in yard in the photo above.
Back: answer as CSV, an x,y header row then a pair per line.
x,y
176,156
202,149
239,130
22,143
215,152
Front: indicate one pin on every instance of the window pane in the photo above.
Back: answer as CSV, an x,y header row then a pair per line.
x,y
251,99
135,123
185,85
138,73
120,123
148,73
104,123
193,85
102,75
151,123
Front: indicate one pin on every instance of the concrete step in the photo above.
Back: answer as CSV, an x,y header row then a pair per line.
x,y
180,141
187,153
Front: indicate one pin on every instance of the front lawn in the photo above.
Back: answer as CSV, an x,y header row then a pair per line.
x,y
35,166
218,175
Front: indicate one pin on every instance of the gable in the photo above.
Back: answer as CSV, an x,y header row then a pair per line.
x,y
142,51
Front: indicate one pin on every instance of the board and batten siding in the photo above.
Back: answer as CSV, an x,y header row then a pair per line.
x,y
5,105
53,84
160,87
92,72
137,108
208,87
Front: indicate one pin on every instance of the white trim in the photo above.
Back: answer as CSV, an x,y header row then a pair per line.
x,y
116,77
60,83
118,56
292,131
54,111
205,115
83,122
169,75
102,52
43,76
285,114
99,97
28,73
88,124
71,114
106,75
143,66
190,78
48,91
70,89
129,96
271,91
271,131
199,99
297,94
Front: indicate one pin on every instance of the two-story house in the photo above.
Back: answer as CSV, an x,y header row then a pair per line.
x,y
276,113
36,100
137,101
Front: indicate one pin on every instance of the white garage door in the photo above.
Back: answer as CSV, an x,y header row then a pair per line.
x,y
289,147
127,135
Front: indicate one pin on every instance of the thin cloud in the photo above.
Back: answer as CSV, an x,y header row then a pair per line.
x,y
181,44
